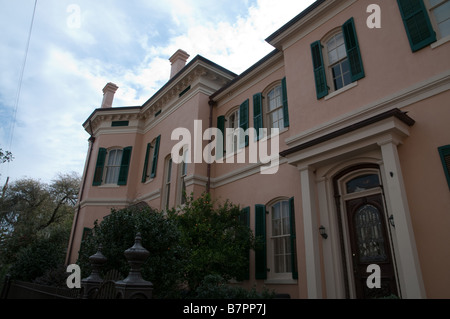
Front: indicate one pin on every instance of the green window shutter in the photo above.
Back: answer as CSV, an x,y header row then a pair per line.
x,y
98,174
319,70
417,23
243,118
220,127
257,114
124,166
245,220
444,152
293,239
155,157
285,102
260,235
147,153
353,52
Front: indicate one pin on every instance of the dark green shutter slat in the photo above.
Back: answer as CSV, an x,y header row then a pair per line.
x,y
417,23
353,52
260,235
155,157
285,102
243,118
147,154
124,166
257,114
98,174
293,239
220,127
245,220
319,70
444,152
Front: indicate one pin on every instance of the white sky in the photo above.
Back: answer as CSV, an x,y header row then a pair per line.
x,y
124,42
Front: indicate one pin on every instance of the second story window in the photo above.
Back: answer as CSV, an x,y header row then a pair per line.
x,y
232,124
275,108
440,12
113,166
167,182
338,61
151,160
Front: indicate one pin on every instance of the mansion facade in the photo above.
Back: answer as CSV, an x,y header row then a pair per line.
x,y
362,114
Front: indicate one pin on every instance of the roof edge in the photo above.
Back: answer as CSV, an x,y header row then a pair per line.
x,y
293,21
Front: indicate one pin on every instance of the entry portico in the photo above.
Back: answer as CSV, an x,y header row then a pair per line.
x,y
373,140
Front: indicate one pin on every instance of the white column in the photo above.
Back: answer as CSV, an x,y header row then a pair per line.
x,y
410,274
313,273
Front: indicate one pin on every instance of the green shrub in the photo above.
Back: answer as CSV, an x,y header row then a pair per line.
x,y
160,236
36,259
217,241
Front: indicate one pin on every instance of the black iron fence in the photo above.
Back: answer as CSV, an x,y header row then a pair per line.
x,y
112,286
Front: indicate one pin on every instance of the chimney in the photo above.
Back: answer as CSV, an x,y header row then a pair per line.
x,y
178,61
108,95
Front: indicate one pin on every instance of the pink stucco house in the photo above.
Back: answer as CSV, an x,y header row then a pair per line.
x,y
363,113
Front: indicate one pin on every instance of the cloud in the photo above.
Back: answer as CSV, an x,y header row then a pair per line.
x,y
127,43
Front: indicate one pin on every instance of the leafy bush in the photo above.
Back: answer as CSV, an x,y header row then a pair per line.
x,y
185,245
216,240
160,236
39,257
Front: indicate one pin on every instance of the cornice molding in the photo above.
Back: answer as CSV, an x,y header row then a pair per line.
x,y
200,76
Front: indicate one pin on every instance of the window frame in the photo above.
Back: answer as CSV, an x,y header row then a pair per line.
x,y
264,257
329,65
107,167
322,70
167,181
444,152
432,16
237,145
271,262
151,160
266,107
182,173
148,163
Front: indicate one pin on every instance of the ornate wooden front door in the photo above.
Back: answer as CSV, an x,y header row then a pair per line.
x,y
370,244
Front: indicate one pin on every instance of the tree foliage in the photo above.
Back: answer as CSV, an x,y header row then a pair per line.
x,y
185,245
33,215
160,236
216,240
5,156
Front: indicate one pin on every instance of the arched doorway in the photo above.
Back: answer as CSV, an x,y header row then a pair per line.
x,y
365,238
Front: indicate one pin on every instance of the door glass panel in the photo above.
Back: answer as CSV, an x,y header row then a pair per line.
x,y
362,183
369,234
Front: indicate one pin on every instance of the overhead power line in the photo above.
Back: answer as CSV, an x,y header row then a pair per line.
x,y
19,88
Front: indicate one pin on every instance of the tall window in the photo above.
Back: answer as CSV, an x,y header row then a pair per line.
x,y
232,123
275,108
270,109
275,256
167,182
338,62
440,15
280,238
113,166
151,160
182,176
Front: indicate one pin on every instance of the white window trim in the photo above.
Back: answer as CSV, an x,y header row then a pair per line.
x,y
106,166
272,277
434,23
341,90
